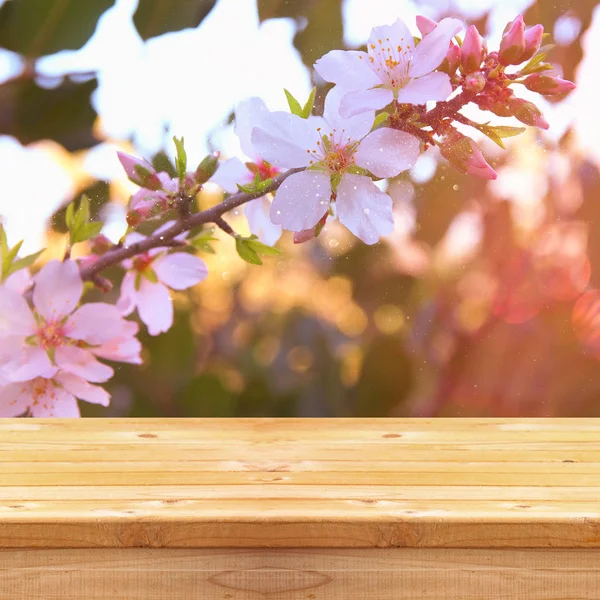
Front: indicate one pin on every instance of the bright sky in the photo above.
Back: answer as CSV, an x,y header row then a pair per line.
x,y
143,87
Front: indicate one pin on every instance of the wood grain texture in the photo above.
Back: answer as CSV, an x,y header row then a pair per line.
x,y
299,574
293,483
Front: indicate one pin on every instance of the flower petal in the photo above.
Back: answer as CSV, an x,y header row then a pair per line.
x,y
19,281
349,69
29,363
354,103
58,288
56,402
82,389
155,307
95,323
283,140
387,152
180,270
83,363
124,349
248,115
128,299
435,86
15,315
397,34
230,173
14,400
259,221
432,49
363,208
302,200
355,127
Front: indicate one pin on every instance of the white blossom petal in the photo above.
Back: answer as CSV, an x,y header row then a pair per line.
x,y
355,127
56,402
363,208
120,350
387,152
29,363
128,298
397,34
95,323
432,49
16,317
180,270
80,388
249,114
14,399
155,307
349,69
283,140
82,363
58,288
435,87
259,221
302,200
230,173
354,103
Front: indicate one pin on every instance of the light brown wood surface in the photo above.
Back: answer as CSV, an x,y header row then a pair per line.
x,y
260,483
299,574
243,509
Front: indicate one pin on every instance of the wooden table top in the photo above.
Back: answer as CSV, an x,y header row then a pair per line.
x,y
257,483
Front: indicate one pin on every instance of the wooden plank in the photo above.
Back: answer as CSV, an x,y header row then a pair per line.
x,y
328,574
463,483
148,477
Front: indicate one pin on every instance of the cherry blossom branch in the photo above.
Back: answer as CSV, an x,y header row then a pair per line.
x,y
165,237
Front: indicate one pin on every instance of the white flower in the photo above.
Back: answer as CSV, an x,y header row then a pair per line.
x,y
250,113
332,148
392,69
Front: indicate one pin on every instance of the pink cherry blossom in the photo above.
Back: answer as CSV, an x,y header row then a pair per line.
x,y
392,69
334,150
147,281
250,113
51,397
57,335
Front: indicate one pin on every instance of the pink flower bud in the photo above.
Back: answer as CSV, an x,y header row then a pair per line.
x,y
472,50
512,45
139,171
101,244
308,234
452,60
475,82
465,156
548,84
527,113
425,25
533,41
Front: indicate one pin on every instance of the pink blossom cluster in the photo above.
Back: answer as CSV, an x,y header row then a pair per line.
x,y
388,104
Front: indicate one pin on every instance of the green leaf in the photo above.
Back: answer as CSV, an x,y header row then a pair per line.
x,y
40,27
161,162
257,186
201,242
261,248
69,215
380,119
3,242
82,216
155,17
307,110
181,158
246,251
24,262
496,133
86,232
294,105
12,253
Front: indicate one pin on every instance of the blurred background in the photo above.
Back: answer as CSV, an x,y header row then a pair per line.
x,y
483,302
